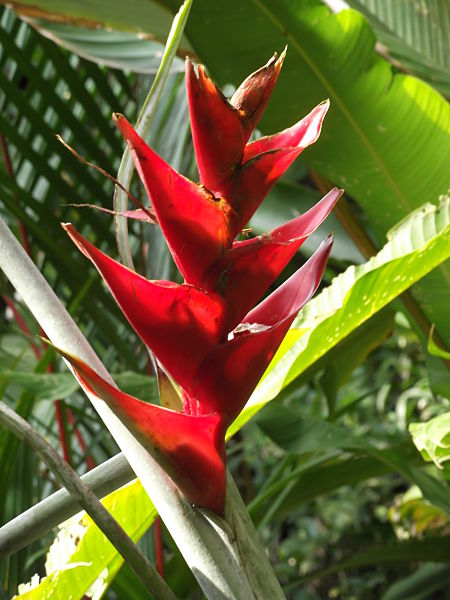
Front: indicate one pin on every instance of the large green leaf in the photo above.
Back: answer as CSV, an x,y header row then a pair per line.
x,y
415,247
414,33
117,49
140,15
82,560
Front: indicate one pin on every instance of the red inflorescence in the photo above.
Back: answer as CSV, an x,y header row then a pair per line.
x,y
205,332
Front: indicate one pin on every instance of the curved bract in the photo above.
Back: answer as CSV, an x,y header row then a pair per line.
x,y
206,333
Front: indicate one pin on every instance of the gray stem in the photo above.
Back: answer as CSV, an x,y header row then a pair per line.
x,y
89,502
60,506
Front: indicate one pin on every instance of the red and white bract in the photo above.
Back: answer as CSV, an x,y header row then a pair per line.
x,y
205,333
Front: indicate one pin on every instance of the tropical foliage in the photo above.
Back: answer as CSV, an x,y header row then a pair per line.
x,y
342,451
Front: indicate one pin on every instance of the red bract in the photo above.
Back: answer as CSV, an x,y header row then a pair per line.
x,y
197,226
230,372
250,267
191,449
228,166
205,333
200,230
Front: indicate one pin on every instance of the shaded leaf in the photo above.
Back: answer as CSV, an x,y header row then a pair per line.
x,y
427,550
287,200
416,34
43,386
420,584
300,434
55,386
117,49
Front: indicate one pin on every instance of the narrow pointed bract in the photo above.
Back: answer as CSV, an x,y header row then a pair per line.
x,y
179,323
231,168
299,136
251,266
198,227
221,127
265,161
206,334
230,372
254,93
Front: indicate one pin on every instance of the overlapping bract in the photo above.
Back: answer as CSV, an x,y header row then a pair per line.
x,y
205,332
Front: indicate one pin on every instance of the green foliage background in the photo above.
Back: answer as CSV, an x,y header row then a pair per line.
x,y
342,498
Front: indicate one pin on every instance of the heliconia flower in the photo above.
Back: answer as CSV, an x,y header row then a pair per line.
x,y
184,327
221,128
205,333
190,448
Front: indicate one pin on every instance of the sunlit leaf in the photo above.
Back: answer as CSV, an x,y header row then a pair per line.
x,y
415,247
434,349
433,440
81,560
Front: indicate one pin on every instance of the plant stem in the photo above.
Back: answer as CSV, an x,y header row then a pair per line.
x,y
89,501
60,506
159,551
